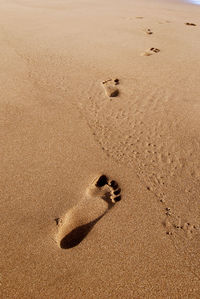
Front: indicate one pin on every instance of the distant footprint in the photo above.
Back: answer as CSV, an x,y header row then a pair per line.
x,y
110,87
190,24
150,52
99,197
148,31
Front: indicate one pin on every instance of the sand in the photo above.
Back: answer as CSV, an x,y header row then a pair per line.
x,y
60,131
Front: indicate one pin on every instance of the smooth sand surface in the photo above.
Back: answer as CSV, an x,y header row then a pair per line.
x,y
60,130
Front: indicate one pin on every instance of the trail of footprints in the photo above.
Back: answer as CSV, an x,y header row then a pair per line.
x,y
153,50
67,238
79,221
110,85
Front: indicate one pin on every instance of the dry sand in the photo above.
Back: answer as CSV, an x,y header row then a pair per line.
x,y
60,130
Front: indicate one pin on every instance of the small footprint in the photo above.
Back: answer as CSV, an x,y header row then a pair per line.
x,y
111,88
99,197
148,31
150,52
190,24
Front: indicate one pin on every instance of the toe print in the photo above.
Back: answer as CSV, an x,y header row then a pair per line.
x,y
155,50
150,52
118,198
76,224
113,184
116,81
57,220
102,181
115,191
190,24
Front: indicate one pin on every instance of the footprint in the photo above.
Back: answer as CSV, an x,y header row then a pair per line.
x,y
150,52
148,31
111,88
190,24
99,197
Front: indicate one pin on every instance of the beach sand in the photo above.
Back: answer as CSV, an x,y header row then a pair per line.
x,y
60,131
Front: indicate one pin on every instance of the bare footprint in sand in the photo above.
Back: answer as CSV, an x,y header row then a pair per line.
x,y
99,197
150,52
148,31
190,24
110,87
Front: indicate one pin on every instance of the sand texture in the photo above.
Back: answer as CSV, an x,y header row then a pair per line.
x,y
99,149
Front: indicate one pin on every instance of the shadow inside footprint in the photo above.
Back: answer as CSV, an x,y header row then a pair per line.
x,y
109,192
76,236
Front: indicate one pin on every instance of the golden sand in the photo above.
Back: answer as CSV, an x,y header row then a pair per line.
x,y
60,130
